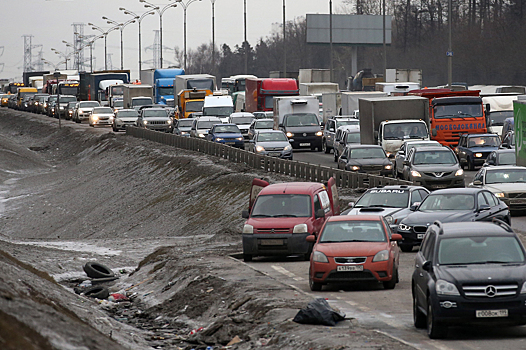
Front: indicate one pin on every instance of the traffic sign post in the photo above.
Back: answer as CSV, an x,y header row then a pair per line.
x,y
449,53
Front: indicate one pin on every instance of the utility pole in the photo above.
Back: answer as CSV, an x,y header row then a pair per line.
x,y
284,44
385,47
450,48
330,38
245,43
27,53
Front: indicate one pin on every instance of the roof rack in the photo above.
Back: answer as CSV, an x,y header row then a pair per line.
x,y
502,224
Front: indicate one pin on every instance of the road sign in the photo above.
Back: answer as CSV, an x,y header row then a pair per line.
x,y
449,53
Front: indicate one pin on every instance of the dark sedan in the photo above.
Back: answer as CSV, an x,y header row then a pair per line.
x,y
228,134
473,149
370,159
501,157
450,205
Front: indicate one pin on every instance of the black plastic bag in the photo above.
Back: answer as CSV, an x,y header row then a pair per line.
x,y
319,311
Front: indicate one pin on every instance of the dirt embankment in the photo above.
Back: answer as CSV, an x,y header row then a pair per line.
x,y
169,217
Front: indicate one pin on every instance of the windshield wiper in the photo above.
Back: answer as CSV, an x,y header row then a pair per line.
x,y
261,216
285,216
379,206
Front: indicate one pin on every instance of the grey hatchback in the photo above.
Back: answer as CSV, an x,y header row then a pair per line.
x,y
370,159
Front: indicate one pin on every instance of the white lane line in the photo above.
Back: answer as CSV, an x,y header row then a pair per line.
x,y
287,273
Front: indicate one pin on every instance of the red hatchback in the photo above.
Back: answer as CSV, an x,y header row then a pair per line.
x,y
354,249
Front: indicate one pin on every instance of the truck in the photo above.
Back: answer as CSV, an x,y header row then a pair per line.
x,y
332,105
27,75
259,93
317,89
397,89
36,82
218,106
190,101
389,121
498,107
68,88
307,76
397,75
93,85
453,113
162,81
191,81
350,101
135,96
238,83
297,117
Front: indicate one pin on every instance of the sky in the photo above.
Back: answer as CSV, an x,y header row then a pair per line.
x,y
50,22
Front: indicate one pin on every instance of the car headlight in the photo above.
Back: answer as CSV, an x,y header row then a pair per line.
x,y
459,172
260,149
319,133
111,118
500,195
319,257
239,139
289,134
169,122
388,167
219,139
404,227
288,148
248,229
184,132
388,219
415,173
445,288
382,255
201,135
355,168
478,155
145,122
95,118
300,228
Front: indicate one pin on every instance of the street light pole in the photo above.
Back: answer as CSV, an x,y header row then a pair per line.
x,y
105,33
213,36
245,37
185,7
284,44
450,48
121,28
139,20
330,38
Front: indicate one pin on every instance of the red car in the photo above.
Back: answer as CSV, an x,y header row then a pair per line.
x,y
354,249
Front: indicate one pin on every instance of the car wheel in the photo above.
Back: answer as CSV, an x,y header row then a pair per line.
x,y
98,292
96,270
406,248
115,129
247,257
335,155
392,283
435,330
471,165
419,319
324,147
314,286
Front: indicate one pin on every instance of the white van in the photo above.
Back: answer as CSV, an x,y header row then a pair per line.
x,y
218,106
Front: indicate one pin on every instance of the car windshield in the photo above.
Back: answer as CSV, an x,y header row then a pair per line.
x,y
353,137
480,250
72,104
505,176
434,157
185,122
125,114
65,99
147,113
507,158
353,231
271,136
194,106
227,129
484,141
301,119
347,122
384,198
365,153
218,111
497,118
207,124
282,205
118,103
399,131
458,111
165,91
102,110
242,120
87,104
439,202
141,101
264,124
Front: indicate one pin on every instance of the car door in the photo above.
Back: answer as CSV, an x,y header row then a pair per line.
x,y
257,186
317,205
498,209
332,190
407,168
484,210
329,135
342,160
421,277
459,150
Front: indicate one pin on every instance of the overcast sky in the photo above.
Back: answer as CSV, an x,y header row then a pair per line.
x,y
50,22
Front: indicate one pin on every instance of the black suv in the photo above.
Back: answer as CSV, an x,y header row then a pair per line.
x,y
469,273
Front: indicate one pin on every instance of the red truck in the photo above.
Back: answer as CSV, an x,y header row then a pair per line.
x,y
453,113
281,216
259,93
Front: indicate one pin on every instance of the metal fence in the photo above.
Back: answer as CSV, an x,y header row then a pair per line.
x,y
300,170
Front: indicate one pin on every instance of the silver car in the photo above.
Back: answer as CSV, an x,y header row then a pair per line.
x,y
83,110
123,118
272,143
155,119
330,129
101,116
260,125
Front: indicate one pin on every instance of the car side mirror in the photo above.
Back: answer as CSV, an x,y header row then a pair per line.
x,y
406,162
414,206
343,156
322,124
320,213
331,129
484,207
434,132
396,237
291,140
351,204
391,155
427,266
280,125
477,183
311,239
245,214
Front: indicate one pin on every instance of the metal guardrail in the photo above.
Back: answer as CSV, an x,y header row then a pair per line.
x,y
300,170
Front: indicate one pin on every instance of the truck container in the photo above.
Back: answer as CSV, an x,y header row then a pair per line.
x,y
197,81
191,101
332,105
162,81
396,75
388,121
397,89
135,96
453,113
90,87
27,75
350,101
314,76
317,89
259,93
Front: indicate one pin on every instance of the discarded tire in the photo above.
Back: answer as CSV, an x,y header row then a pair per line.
x,y
96,270
97,292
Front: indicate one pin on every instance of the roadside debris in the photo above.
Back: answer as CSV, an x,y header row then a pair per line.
x,y
319,312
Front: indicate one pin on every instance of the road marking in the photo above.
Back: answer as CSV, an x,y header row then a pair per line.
x,y
287,273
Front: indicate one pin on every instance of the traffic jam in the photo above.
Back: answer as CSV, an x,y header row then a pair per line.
x,y
454,148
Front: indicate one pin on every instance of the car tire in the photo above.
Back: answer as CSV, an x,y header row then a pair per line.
x,y
406,248
324,147
98,292
335,156
247,257
97,270
314,286
471,165
419,319
115,129
435,330
392,283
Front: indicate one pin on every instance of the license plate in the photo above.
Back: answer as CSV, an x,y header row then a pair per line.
x,y
350,268
271,242
274,154
491,313
420,236
230,143
439,186
305,144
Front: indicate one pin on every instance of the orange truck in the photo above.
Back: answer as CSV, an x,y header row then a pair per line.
x,y
453,113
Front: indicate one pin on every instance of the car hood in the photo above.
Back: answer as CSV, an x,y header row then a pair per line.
x,y
369,161
481,273
298,129
157,119
243,126
374,211
285,222
351,249
436,167
426,218
273,144
128,119
229,135
506,187
103,114
482,149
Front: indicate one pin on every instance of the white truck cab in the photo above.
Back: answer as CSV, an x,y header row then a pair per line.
x,y
391,134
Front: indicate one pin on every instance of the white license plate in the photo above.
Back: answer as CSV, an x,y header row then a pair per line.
x,y
491,313
305,144
420,236
271,242
439,186
274,154
350,268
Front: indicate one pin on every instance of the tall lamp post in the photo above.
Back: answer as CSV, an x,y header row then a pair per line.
x,y
90,44
63,55
330,38
105,34
121,28
138,20
55,66
213,35
185,7
160,12
284,44
450,48
75,52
